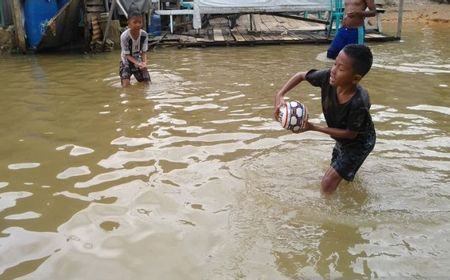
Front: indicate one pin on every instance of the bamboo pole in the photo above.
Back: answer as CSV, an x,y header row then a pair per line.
x,y
87,29
400,19
122,8
108,24
18,25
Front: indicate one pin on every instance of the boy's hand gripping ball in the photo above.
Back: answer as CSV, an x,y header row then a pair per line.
x,y
293,116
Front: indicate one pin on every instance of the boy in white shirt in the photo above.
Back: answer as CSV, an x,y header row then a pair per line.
x,y
134,45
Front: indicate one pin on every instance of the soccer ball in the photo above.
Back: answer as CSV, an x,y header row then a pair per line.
x,y
293,116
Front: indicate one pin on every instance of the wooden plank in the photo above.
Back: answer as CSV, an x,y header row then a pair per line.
x,y
86,24
265,20
218,35
283,23
313,26
18,24
286,35
293,24
237,36
262,28
265,23
95,9
184,38
272,24
108,24
257,22
95,2
252,37
248,37
227,35
256,36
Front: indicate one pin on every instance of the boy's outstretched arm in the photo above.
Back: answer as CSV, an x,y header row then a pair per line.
x,y
290,84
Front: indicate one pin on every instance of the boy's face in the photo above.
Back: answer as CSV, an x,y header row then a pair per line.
x,y
135,23
342,73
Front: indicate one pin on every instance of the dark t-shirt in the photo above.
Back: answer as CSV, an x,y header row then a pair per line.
x,y
353,115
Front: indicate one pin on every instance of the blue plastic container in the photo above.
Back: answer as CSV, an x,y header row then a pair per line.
x,y
37,13
154,29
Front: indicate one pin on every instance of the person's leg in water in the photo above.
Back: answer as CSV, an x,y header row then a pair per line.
x,y
330,181
142,75
346,160
125,74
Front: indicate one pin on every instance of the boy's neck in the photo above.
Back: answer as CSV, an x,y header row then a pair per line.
x,y
346,90
135,33
345,93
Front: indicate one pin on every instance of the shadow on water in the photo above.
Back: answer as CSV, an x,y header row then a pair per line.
x,y
190,178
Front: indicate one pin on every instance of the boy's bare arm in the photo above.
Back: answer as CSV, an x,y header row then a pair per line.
x,y
132,59
372,9
144,58
290,84
333,132
143,64
136,63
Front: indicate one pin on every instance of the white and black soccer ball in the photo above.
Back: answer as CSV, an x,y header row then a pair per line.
x,y
293,116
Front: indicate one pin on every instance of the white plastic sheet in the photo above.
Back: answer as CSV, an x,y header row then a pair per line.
x,y
202,7
242,6
275,4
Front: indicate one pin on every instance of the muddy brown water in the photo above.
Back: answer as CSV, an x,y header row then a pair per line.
x,y
190,178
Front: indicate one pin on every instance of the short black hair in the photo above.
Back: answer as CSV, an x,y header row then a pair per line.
x,y
134,11
361,56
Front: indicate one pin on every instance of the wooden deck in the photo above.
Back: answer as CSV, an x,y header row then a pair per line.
x,y
265,30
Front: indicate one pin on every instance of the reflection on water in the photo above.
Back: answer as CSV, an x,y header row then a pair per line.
x,y
190,178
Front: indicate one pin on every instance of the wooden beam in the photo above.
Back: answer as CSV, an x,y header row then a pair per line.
x,y
237,36
86,23
122,8
400,19
218,35
108,24
18,25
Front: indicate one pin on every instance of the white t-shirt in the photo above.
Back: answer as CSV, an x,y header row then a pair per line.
x,y
135,45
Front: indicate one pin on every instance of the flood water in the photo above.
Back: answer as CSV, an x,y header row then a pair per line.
x,y
190,178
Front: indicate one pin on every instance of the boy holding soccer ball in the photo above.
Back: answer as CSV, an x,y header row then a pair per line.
x,y
345,105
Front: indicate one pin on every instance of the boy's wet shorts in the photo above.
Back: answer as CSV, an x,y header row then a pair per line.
x,y
348,158
126,70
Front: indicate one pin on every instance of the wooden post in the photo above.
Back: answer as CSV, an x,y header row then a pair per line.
x,y
108,24
122,8
20,30
400,19
2,17
86,23
107,6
